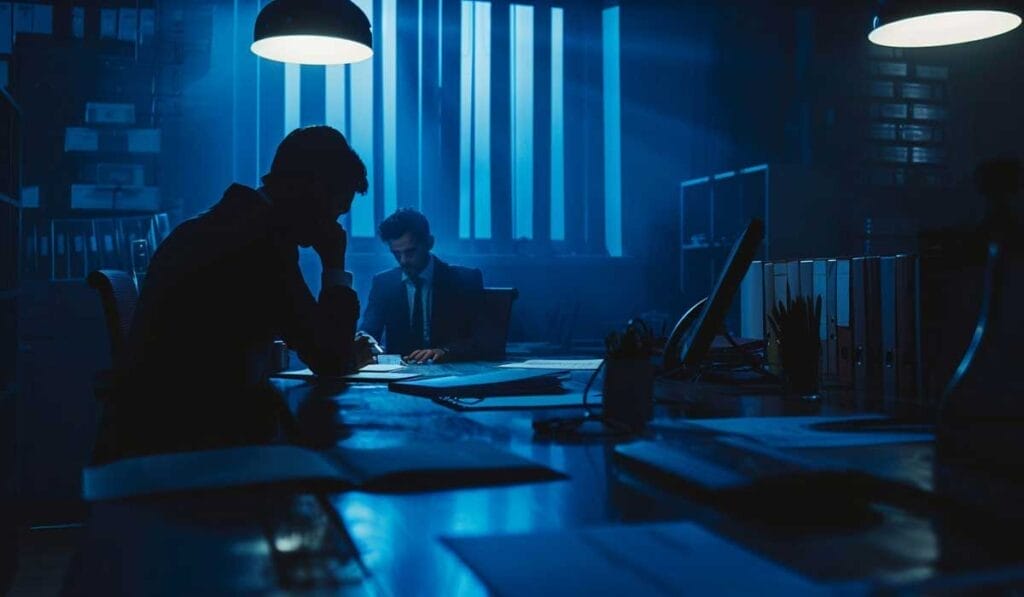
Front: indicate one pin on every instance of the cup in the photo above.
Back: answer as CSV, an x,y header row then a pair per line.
x,y
628,392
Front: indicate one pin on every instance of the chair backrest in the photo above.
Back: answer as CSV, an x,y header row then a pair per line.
x,y
496,313
561,322
118,295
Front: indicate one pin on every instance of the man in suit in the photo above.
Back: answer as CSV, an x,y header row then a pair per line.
x,y
221,288
424,309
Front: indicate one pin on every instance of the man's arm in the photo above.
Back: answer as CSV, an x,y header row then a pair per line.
x,y
322,331
373,318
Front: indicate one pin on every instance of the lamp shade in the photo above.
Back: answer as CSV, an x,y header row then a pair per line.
x,y
924,23
312,32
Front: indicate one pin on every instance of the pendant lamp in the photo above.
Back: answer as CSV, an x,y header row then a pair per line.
x,y
923,23
312,32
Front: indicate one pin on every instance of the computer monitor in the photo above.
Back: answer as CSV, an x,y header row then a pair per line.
x,y
692,336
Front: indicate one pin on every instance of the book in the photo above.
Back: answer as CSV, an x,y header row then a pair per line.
x,y
906,327
752,302
829,315
408,467
887,317
500,382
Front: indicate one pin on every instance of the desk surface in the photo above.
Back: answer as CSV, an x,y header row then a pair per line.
x,y
241,541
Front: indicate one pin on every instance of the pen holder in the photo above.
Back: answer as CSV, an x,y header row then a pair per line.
x,y
628,392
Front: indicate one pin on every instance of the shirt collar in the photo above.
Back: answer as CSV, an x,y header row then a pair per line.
x,y
427,275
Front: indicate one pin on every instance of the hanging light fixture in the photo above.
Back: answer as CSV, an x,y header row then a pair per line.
x,y
312,32
923,23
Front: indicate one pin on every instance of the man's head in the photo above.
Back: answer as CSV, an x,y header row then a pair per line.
x,y
407,234
313,180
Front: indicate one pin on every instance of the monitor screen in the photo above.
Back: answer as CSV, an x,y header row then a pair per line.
x,y
693,345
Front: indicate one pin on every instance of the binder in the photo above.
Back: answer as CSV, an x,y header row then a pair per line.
x,y
818,290
807,280
77,240
93,257
793,280
771,351
906,327
887,317
831,350
844,329
44,254
106,239
752,302
867,326
59,251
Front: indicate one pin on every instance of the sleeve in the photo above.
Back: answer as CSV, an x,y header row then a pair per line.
x,y
465,347
373,318
320,330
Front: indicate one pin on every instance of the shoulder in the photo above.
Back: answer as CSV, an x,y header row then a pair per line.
x,y
388,277
465,276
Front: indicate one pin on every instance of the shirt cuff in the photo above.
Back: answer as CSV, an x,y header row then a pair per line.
x,y
336,277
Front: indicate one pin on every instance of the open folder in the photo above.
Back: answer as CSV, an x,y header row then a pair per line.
x,y
499,382
409,467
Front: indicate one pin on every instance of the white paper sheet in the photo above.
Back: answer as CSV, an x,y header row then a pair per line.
x,y
570,364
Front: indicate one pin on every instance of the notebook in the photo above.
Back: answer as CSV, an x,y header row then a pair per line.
x,y
409,467
499,382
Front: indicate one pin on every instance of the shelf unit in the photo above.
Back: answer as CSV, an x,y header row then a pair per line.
x,y
799,207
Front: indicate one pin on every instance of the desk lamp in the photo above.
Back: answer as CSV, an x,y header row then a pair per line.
x,y
312,32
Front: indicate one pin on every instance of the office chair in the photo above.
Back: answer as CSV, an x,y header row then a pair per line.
x,y
496,313
118,295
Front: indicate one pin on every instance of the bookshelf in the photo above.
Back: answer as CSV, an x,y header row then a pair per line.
x,y
799,207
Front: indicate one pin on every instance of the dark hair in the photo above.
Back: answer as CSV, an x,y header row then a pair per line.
x,y
402,221
318,152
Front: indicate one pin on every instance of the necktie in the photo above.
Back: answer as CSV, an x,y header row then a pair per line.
x,y
418,339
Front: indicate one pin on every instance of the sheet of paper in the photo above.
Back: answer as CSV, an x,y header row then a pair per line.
x,y
570,364
807,432
529,402
381,368
652,559
361,376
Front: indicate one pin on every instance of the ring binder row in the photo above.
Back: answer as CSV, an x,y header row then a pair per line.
x,y
869,329
69,248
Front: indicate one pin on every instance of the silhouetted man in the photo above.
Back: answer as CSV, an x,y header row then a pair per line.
x,y
424,309
221,288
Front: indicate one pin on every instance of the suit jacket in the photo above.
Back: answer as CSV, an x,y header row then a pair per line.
x,y
455,311
217,292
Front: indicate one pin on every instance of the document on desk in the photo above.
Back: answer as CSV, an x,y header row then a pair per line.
x,y
811,432
386,373
564,364
417,466
653,559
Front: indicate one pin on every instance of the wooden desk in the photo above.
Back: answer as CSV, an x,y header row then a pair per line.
x,y
217,544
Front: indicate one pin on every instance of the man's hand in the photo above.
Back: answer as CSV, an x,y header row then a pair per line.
x,y
362,348
330,245
435,355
